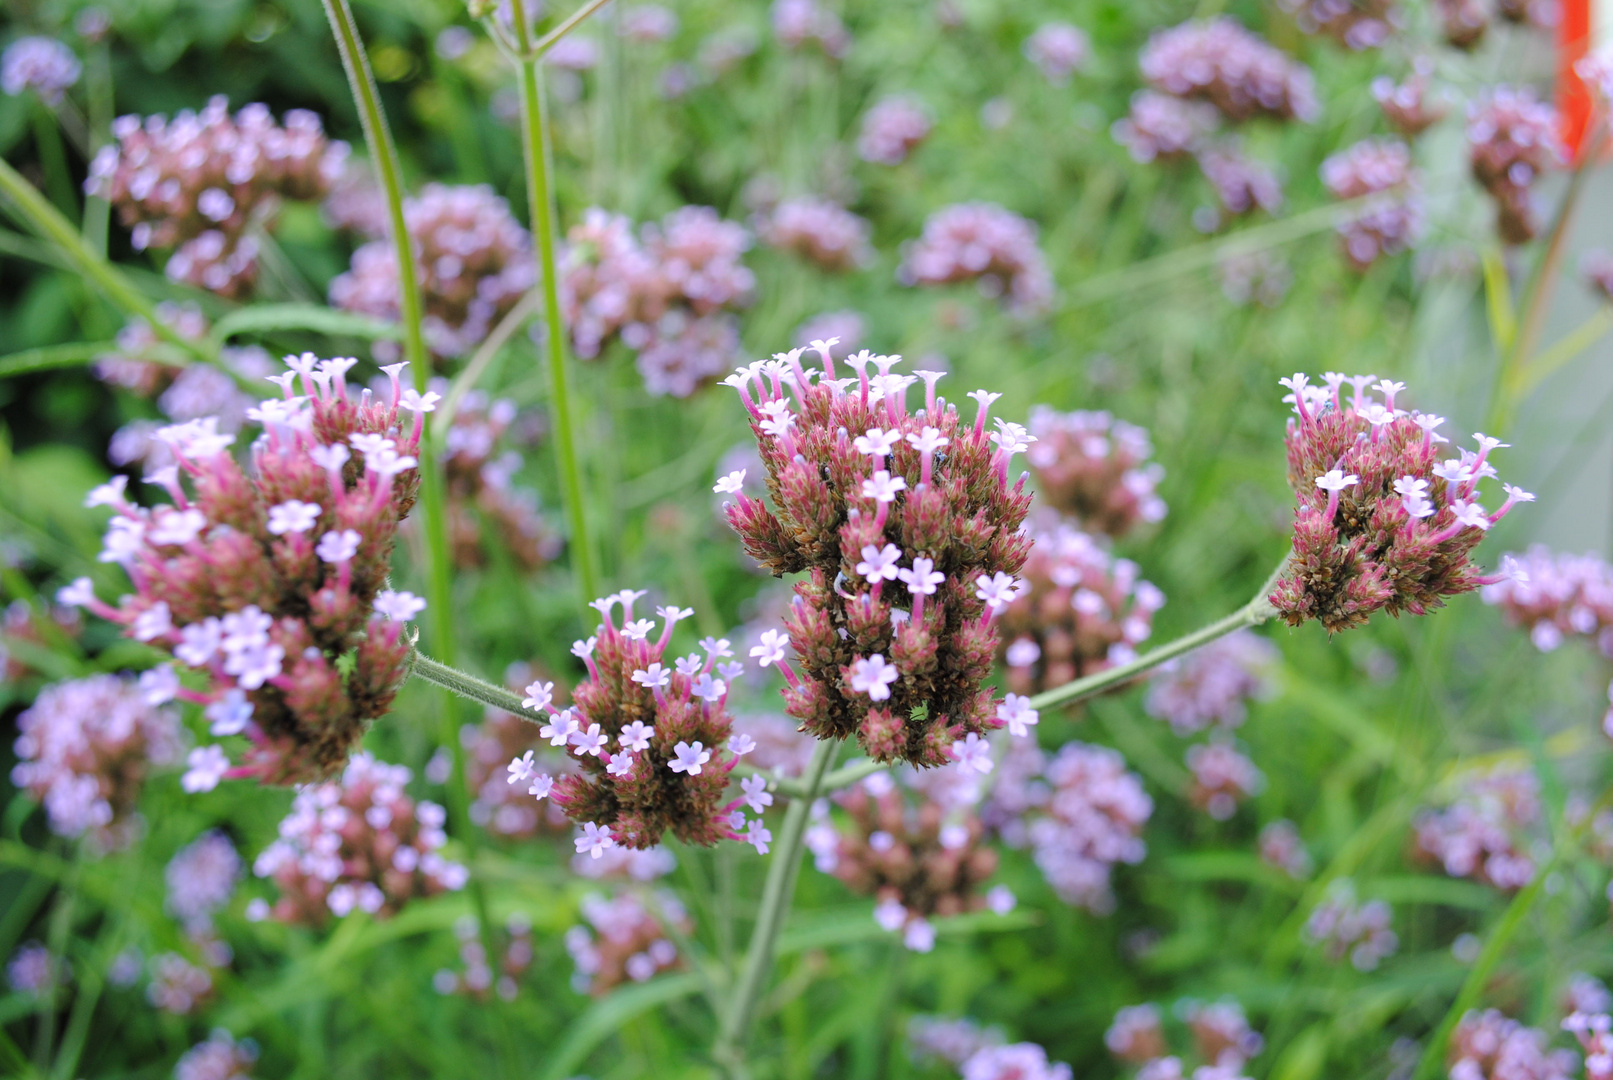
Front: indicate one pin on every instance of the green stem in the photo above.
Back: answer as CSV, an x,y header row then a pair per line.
x,y
776,894
540,205
552,38
53,158
468,686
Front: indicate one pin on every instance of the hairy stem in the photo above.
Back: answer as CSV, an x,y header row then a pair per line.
x,y
776,895
540,206
467,686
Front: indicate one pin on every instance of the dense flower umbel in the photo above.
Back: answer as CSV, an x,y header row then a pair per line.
x,y
1342,926
892,129
650,739
84,749
198,181
1057,49
1463,22
915,859
1512,139
357,843
1482,834
1223,63
1490,1046
1358,24
221,1057
624,940
908,528
41,64
271,581
1385,225
474,264
1082,610
980,241
1383,524
1556,596
1209,686
1161,127
1095,469
820,230
1411,106
480,491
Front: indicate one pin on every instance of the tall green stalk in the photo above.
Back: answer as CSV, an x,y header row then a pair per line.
x,y
540,207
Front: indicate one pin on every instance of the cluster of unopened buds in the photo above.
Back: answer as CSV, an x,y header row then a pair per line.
x,y
1489,1045
918,861
665,296
1221,778
1221,62
651,743
820,230
1392,220
357,843
1358,24
270,583
85,747
1556,596
909,531
1483,833
1383,523
479,976
1210,687
480,488
1080,610
1095,469
1512,141
1343,926
1058,50
624,940
1221,1036
892,129
198,182
473,262
987,244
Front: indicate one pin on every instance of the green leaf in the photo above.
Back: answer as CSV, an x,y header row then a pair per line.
x,y
609,1015
53,356
269,318
1304,1057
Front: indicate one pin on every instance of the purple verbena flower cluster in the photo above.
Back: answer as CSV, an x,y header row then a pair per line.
x,y
624,940
474,263
199,182
1221,778
220,1057
1242,185
1095,469
1222,1040
201,879
892,654
1556,596
1163,127
1388,224
85,748
949,1039
496,805
1488,1045
1343,926
797,23
32,970
1080,611
1210,686
1512,139
178,986
1410,106
820,230
1484,832
359,842
1382,524
1221,62
478,976
1137,1035
892,129
1357,24
41,64
984,243
481,495
1594,1031
1013,1061
1058,49
1281,846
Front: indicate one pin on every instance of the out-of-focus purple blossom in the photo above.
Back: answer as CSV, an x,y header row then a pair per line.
x,y
1242,185
1221,1034
356,202
625,864
985,243
725,49
1137,1035
687,352
1512,139
474,264
129,364
1463,22
891,129
820,230
623,940
1586,994
178,986
780,748
1222,777
1488,1045
1484,833
479,977
41,64
1557,596
845,327
1014,1061
1342,926
1281,846
32,970
1595,1034
1082,611
1223,63
1597,269
360,843
1095,469
201,878
1540,14
221,1057
497,805
1210,686
1058,49
85,748
1411,106
1390,222
482,497
1162,127
648,23
1262,277
1357,24
797,23
573,52
953,1041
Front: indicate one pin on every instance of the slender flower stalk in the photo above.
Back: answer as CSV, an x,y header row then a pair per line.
x,y
540,206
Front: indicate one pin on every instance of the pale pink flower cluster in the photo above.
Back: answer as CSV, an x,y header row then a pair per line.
x,y
1222,777
1210,686
1280,845
32,970
503,808
953,1040
623,940
1221,62
1242,185
84,749
1343,926
1058,49
221,1057
1594,1030
479,976
1557,596
797,23
359,843
1095,468
178,986
1392,221
1357,24
473,261
1161,127
987,244
1222,1039
1512,140
1489,1045
1484,833
892,129
201,879
820,230
41,64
